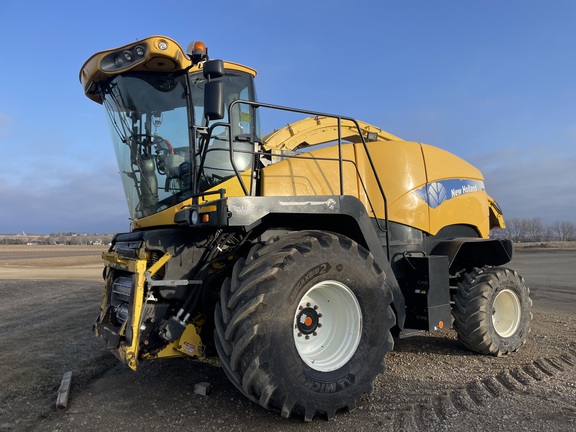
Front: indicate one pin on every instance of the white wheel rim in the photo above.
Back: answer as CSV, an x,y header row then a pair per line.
x,y
506,313
327,326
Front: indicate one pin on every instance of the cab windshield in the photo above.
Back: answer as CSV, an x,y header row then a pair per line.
x,y
158,154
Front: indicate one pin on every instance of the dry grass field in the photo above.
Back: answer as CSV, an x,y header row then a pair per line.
x,y
51,262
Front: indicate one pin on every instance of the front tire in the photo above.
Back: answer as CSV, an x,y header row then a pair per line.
x,y
492,311
304,323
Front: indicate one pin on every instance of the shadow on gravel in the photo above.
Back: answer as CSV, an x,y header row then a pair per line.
x,y
443,342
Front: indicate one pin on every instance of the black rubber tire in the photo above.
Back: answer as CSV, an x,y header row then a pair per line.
x,y
255,322
474,309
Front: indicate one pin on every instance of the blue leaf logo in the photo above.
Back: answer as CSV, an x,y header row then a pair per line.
x,y
436,194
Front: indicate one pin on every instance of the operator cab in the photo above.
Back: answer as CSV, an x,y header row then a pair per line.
x,y
170,144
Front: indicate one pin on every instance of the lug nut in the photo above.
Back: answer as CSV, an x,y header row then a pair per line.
x,y
307,337
314,334
299,334
319,325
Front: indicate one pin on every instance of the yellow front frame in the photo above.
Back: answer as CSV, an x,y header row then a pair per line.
x,y
189,343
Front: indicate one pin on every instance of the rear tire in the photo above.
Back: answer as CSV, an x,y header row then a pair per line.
x,y
492,311
304,323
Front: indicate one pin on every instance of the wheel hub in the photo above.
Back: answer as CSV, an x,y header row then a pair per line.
x,y
307,321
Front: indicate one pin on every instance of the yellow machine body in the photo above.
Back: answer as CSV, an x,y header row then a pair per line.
x,y
407,183
404,167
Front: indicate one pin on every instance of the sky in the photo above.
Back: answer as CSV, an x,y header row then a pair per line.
x,y
492,81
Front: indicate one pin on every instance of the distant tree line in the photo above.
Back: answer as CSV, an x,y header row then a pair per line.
x,y
64,238
535,230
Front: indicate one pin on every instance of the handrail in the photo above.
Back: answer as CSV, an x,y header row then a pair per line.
x,y
339,119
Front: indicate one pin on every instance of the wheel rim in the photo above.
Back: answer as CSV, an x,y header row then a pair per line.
x,y
506,313
327,326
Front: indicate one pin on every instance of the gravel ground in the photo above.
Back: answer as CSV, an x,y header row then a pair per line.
x,y
432,382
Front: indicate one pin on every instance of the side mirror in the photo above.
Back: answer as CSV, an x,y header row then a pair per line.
x,y
214,90
214,100
213,69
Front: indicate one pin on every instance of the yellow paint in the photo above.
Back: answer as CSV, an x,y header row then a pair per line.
x,y
496,216
232,186
171,59
441,164
400,166
189,344
468,209
159,264
404,167
319,130
399,163
166,217
128,352
306,175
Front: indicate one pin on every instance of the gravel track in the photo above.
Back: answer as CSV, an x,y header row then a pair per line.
x,y
432,383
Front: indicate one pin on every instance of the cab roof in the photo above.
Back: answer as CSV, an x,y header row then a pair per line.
x,y
158,54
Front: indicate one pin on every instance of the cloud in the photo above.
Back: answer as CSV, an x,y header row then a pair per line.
x,y
532,182
6,125
52,180
80,201
570,133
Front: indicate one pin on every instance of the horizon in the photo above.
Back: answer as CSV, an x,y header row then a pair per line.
x,y
534,227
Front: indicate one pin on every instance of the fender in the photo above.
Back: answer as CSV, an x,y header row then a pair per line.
x,y
343,214
467,253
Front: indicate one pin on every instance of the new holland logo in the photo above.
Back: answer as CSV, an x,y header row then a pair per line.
x,y
436,193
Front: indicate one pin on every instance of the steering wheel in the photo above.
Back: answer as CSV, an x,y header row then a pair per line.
x,y
163,149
